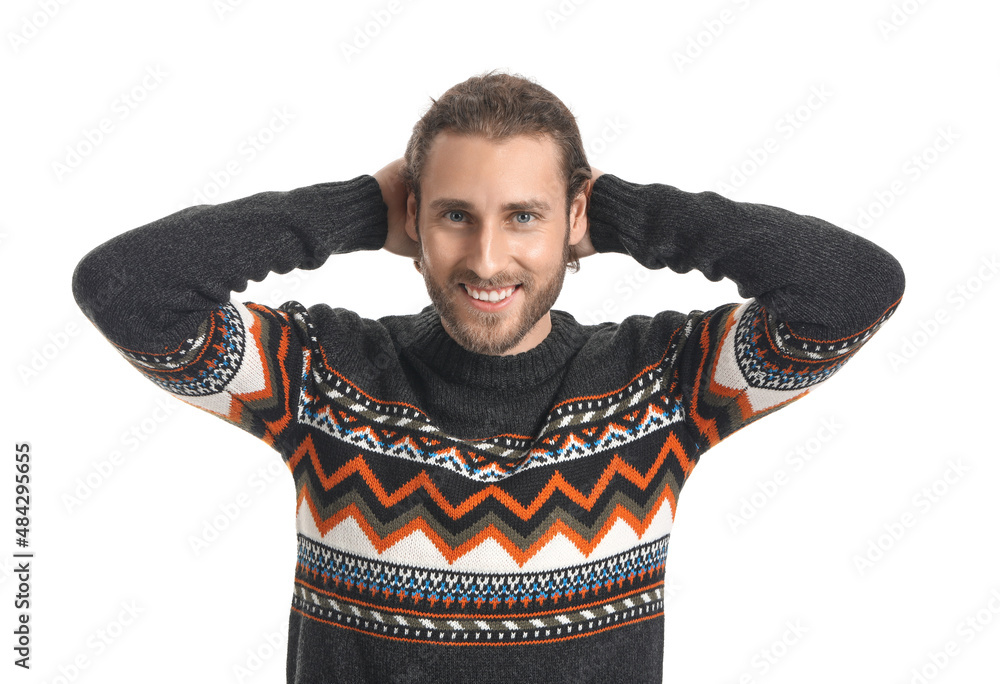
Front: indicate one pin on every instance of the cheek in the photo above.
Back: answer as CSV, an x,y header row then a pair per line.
x,y
440,247
436,263
541,255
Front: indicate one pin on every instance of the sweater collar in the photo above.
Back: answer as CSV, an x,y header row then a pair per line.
x,y
432,344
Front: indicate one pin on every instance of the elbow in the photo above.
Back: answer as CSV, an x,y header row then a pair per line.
x,y
83,284
874,276
893,280
881,290
870,292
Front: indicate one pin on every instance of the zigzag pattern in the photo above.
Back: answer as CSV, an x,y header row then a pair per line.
x,y
373,475
522,526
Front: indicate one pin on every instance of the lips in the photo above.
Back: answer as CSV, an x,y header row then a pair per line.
x,y
490,295
493,299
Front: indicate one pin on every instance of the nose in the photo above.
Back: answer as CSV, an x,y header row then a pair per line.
x,y
488,252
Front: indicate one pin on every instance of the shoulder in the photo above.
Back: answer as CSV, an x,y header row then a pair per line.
x,y
614,353
337,325
342,337
363,351
637,336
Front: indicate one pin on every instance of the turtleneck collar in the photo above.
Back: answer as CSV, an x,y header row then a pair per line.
x,y
432,344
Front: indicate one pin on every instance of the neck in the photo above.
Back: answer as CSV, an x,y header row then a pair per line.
x,y
560,337
531,339
534,337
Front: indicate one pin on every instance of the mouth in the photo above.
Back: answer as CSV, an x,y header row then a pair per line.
x,y
495,294
490,299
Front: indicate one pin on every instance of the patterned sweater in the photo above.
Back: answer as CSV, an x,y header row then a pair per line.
x,y
473,518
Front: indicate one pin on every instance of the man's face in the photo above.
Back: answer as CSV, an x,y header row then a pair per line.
x,y
494,238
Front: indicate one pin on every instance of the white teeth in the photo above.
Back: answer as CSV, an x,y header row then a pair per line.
x,y
491,296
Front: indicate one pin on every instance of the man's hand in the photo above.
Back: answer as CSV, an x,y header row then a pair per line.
x,y
394,195
585,247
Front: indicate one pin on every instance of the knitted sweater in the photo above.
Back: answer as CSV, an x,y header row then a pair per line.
x,y
474,518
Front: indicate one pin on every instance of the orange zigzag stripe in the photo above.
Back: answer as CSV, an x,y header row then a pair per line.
x,y
617,466
520,556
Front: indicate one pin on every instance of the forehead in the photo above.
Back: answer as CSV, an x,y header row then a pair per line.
x,y
490,173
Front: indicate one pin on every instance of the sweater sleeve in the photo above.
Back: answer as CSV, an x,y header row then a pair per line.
x,y
816,293
161,294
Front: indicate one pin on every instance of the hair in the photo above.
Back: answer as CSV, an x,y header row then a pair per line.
x,y
499,106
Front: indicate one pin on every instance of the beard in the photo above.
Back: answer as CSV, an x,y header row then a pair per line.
x,y
493,332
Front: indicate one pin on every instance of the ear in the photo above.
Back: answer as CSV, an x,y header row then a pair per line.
x,y
578,223
411,217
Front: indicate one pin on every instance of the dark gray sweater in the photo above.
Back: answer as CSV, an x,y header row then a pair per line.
x,y
471,518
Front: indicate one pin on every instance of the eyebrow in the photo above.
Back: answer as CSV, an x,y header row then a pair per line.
x,y
451,204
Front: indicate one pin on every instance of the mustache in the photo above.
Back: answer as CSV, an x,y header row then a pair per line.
x,y
500,280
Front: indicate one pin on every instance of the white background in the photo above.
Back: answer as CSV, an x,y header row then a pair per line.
x,y
914,409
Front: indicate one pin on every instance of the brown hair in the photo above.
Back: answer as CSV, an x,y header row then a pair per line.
x,y
498,106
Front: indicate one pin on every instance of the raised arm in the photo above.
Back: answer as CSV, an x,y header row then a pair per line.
x,y
817,293
160,294
152,286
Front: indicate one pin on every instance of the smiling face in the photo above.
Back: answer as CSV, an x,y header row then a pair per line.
x,y
494,238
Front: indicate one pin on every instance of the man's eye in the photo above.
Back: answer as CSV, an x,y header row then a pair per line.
x,y
453,214
523,217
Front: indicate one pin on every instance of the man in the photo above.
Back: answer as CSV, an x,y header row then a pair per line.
x,y
486,488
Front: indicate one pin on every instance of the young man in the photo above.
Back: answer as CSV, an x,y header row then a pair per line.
x,y
486,487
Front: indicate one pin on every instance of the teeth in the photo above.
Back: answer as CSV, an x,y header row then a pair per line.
x,y
491,296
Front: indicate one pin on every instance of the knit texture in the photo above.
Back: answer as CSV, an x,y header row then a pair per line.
x,y
472,518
